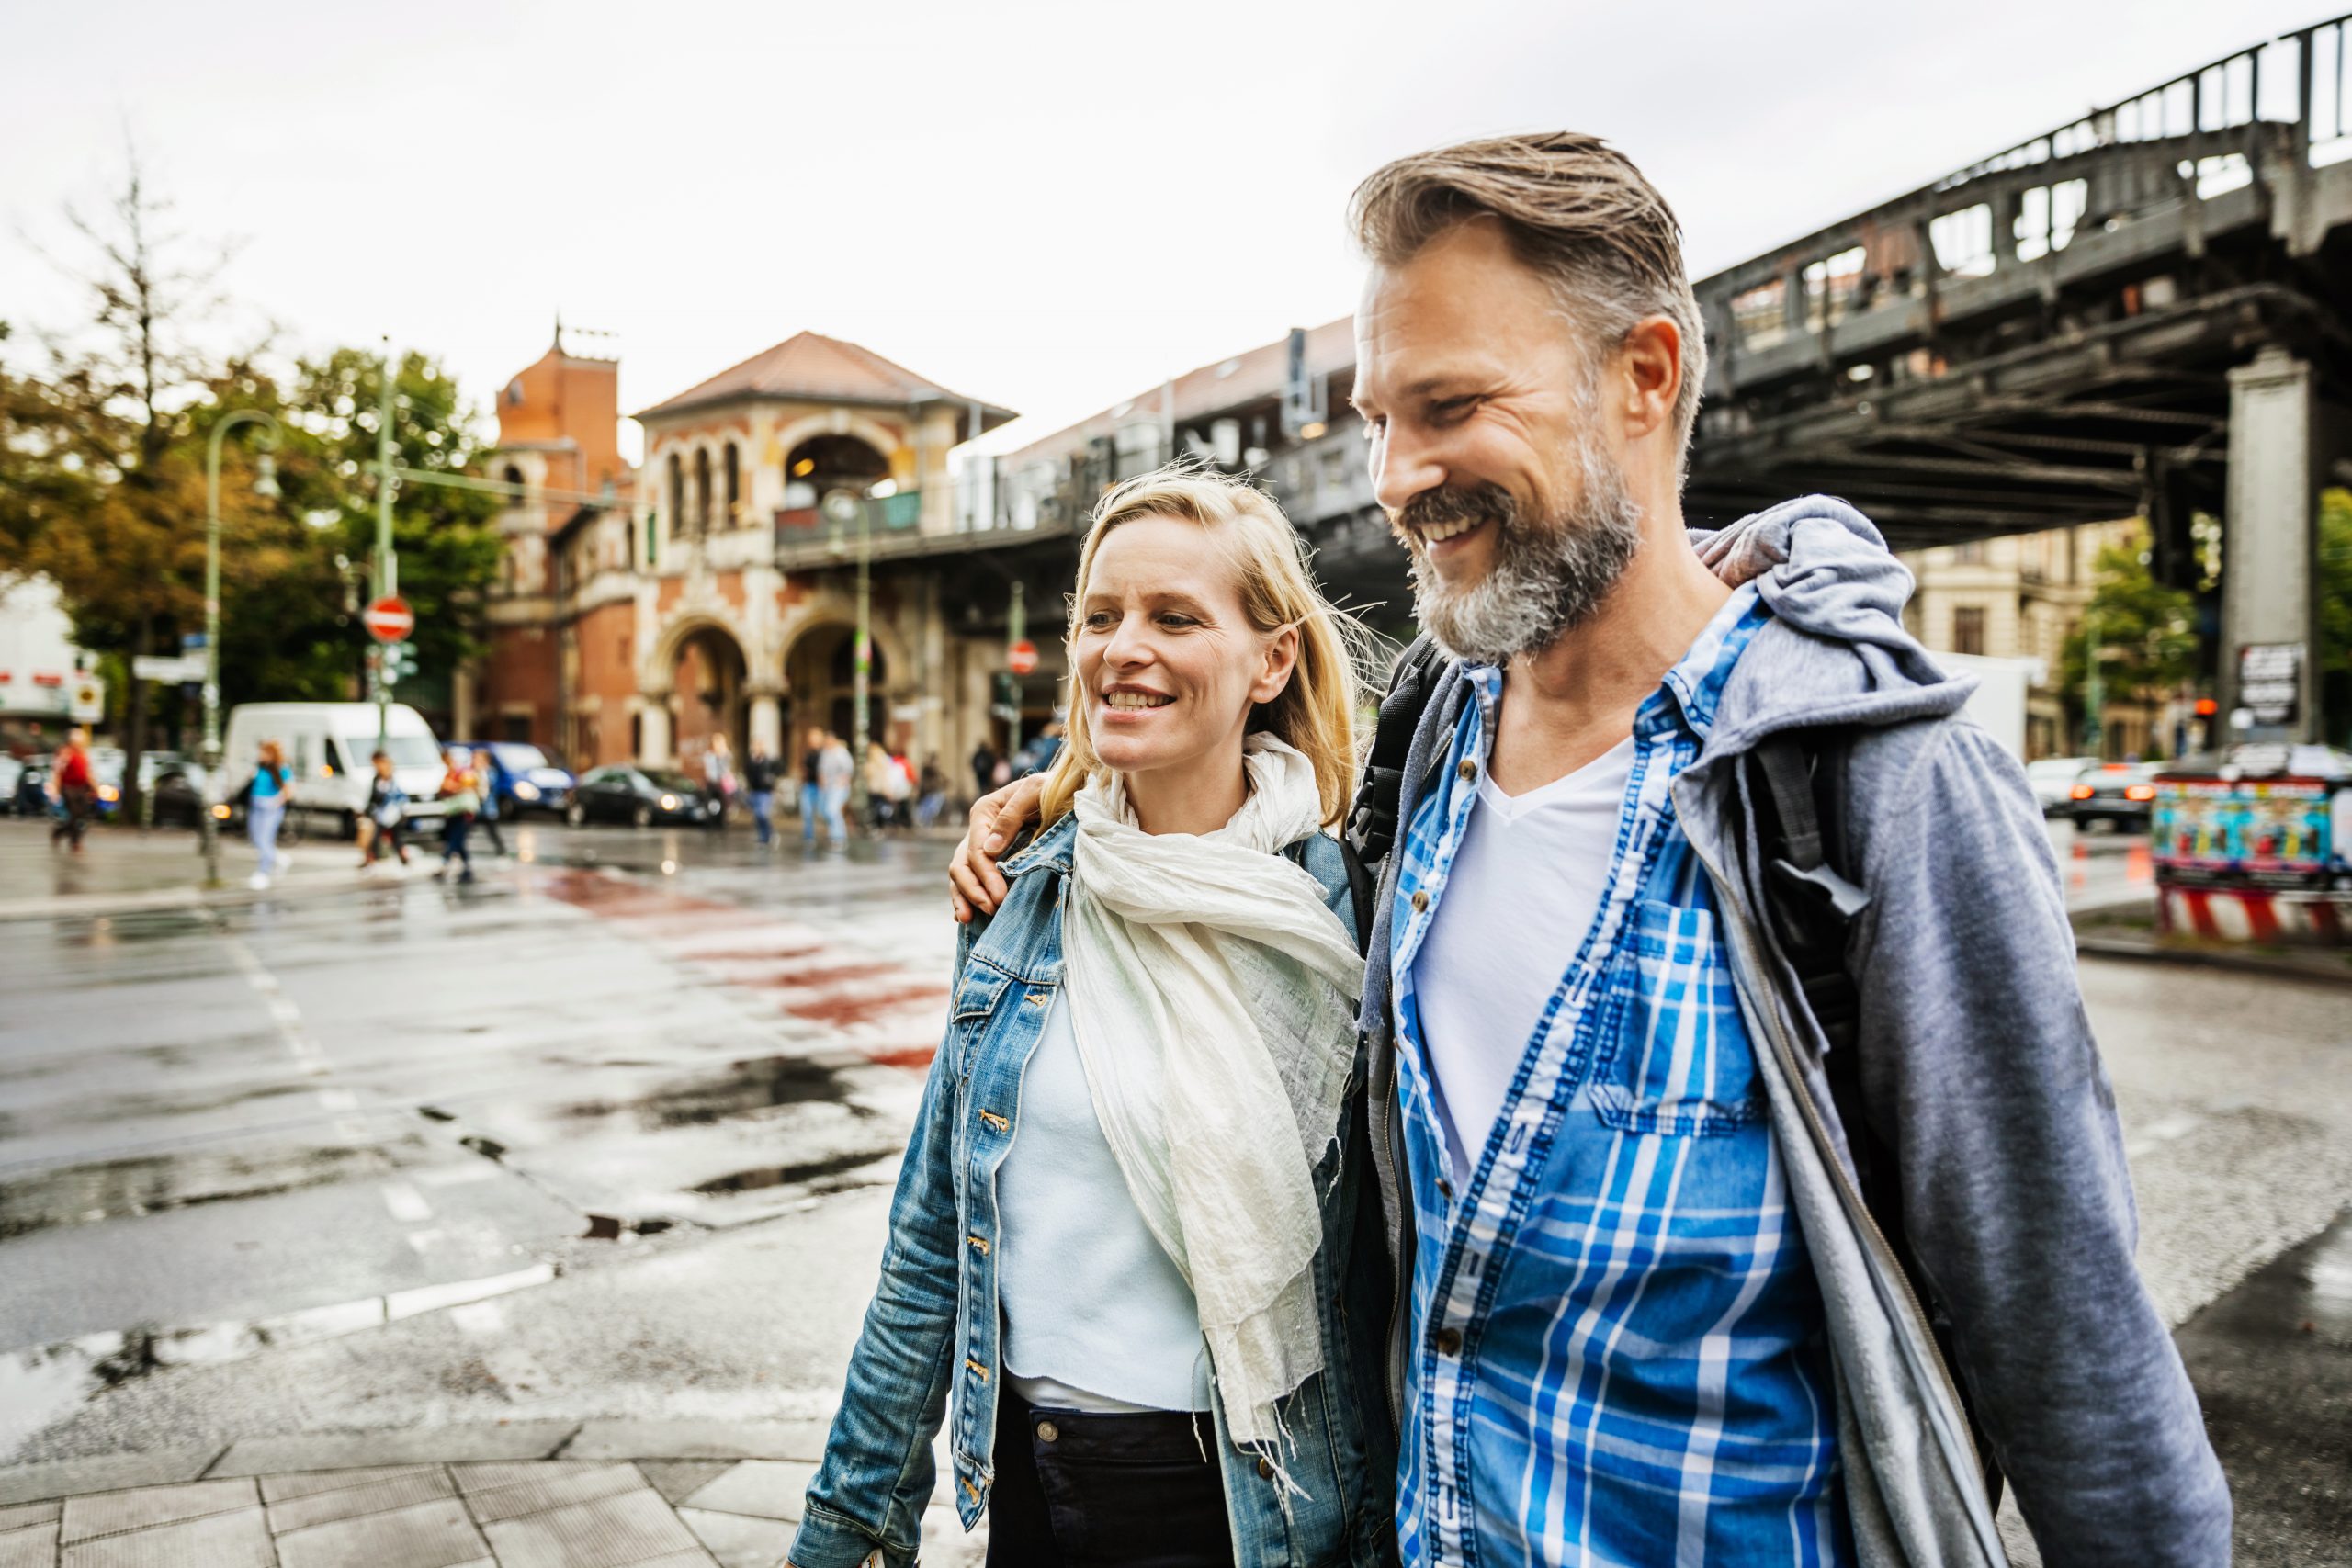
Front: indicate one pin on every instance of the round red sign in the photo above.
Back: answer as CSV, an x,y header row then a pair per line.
x,y
1022,657
389,620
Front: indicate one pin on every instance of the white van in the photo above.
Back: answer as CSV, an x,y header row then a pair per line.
x,y
328,752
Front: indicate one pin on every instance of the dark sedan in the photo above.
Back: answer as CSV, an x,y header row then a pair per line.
x,y
2122,794
641,796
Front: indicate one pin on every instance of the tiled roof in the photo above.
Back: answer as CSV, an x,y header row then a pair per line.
x,y
812,366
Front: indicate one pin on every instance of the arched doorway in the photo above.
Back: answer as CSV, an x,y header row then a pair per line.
x,y
821,681
708,676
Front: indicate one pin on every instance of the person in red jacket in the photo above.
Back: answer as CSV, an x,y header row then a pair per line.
x,y
76,790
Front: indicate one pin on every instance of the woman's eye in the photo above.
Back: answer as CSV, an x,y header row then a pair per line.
x,y
1099,621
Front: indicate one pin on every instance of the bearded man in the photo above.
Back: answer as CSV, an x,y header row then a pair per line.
x,y
1674,1297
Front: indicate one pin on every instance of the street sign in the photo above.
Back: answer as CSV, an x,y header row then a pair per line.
x,y
1022,657
90,699
2270,680
176,670
388,619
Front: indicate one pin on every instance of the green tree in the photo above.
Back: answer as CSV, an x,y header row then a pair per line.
x,y
2147,632
2336,614
449,553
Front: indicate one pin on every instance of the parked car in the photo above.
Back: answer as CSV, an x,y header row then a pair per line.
x,y
12,774
525,781
641,796
2052,779
328,752
2122,794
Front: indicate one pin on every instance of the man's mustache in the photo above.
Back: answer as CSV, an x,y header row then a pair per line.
x,y
1449,504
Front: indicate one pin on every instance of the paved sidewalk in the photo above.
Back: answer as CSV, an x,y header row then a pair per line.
x,y
520,1494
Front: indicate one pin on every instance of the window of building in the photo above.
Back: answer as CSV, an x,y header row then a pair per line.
x,y
1969,554
677,502
518,727
734,516
1968,628
701,524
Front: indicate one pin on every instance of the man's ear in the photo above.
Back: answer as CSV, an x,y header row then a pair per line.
x,y
1281,659
1650,375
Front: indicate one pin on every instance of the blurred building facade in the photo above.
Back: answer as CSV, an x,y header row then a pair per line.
x,y
2021,596
639,614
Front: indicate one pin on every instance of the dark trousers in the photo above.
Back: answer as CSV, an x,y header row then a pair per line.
x,y
489,825
1082,1490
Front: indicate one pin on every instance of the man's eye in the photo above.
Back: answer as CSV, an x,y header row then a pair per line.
x,y
1451,410
1171,619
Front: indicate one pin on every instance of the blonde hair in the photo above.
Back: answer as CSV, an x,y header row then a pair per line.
x,y
1315,711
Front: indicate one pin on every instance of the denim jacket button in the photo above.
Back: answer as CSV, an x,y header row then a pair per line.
x,y
1047,1432
1265,1468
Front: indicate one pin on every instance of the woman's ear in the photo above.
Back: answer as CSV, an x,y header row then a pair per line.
x,y
1281,659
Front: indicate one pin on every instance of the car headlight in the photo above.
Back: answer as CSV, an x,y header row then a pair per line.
x,y
221,811
668,803
108,792
526,791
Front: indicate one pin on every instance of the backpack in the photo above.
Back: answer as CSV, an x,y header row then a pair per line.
x,y
1797,779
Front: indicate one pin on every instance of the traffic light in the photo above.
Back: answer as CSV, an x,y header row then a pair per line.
x,y
399,661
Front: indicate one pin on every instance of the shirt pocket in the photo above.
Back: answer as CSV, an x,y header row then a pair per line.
x,y
978,992
1681,1064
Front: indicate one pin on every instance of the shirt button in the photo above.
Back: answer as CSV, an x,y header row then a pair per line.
x,y
1468,769
1266,1469
1420,901
1047,1432
1448,1341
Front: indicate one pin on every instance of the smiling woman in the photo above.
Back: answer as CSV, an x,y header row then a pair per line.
x,y
1195,623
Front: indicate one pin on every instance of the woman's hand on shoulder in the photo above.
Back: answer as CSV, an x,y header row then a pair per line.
x,y
974,883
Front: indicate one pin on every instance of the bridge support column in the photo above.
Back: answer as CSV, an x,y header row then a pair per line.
x,y
2269,555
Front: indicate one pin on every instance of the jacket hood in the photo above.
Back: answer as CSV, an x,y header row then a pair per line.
x,y
1835,651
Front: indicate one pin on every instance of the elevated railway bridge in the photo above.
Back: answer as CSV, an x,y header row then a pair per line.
x,y
2146,311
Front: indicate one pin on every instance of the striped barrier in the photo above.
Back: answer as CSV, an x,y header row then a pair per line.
x,y
2255,915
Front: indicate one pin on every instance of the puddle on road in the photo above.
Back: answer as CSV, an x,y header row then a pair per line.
x,y
789,1175
85,1194
741,1089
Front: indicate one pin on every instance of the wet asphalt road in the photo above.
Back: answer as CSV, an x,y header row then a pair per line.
x,y
642,1093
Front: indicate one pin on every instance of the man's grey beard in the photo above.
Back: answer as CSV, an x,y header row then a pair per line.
x,y
1548,577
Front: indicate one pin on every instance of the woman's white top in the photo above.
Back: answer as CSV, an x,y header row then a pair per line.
x,y
1097,1315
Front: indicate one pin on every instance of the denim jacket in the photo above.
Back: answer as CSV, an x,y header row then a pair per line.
x,y
932,1340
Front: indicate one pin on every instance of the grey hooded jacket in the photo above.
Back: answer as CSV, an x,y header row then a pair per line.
x,y
1977,1067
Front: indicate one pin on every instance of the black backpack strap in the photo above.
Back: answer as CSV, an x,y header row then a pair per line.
x,y
1372,821
1363,890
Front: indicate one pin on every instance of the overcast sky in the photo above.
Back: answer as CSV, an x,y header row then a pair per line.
x,y
1049,206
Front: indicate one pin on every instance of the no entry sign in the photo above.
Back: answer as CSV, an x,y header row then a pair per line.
x,y
389,620
1022,657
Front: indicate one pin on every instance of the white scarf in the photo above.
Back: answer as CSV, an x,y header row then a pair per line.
x,y
1212,994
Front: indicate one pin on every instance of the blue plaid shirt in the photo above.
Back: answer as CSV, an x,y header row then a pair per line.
x,y
1618,1353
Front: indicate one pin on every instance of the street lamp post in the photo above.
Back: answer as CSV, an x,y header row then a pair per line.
x,y
265,484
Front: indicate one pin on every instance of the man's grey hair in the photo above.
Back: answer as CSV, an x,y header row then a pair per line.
x,y
1576,211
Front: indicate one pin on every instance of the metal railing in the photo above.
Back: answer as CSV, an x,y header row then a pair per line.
x,y
2189,140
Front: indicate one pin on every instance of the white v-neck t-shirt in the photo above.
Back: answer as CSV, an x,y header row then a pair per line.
x,y
1525,886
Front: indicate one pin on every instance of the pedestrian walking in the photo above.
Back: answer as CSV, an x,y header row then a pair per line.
x,y
836,769
263,794
485,772
387,810
1128,1303
812,792
460,794
931,793
759,788
1760,1191
885,787
719,774
77,790
984,760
